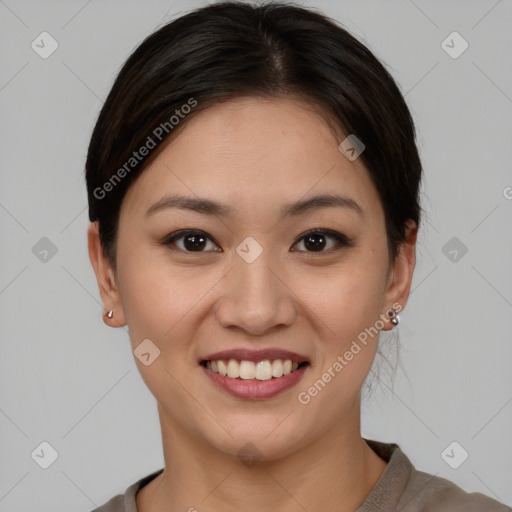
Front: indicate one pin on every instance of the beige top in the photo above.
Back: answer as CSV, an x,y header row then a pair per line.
x,y
400,488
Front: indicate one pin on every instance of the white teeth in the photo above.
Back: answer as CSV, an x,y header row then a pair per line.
x,y
247,370
222,368
263,370
233,369
277,368
250,370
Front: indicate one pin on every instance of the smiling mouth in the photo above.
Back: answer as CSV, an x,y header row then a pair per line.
x,y
267,369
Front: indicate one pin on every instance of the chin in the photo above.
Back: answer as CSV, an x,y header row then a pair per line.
x,y
261,441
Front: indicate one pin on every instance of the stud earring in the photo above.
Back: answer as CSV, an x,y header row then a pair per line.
x,y
110,314
393,315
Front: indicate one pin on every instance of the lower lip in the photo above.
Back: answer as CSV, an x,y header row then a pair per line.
x,y
256,389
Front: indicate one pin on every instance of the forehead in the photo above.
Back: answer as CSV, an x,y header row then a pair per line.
x,y
253,153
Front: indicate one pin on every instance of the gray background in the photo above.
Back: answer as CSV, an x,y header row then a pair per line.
x,y
69,380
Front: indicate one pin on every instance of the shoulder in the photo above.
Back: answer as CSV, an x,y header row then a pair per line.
x,y
424,492
127,502
404,488
430,493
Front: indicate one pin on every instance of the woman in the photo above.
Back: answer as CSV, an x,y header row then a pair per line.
x,y
253,191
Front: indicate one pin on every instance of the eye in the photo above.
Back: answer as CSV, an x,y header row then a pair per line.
x,y
316,240
193,241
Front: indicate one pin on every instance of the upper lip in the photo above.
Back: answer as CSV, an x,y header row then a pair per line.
x,y
256,355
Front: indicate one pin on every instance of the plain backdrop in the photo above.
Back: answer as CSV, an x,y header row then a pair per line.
x,y
70,381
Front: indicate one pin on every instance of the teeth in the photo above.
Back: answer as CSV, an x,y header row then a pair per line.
x,y
277,368
250,370
223,370
247,370
263,370
233,369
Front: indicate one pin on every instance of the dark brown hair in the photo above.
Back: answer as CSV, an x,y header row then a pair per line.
x,y
230,49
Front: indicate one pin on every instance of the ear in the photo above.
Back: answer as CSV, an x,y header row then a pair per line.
x,y
399,282
105,277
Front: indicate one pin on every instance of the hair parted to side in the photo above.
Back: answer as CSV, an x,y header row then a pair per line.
x,y
231,49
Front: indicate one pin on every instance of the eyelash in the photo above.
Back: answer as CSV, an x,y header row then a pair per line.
x,y
341,240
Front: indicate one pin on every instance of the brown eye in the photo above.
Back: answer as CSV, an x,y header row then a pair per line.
x,y
191,241
317,240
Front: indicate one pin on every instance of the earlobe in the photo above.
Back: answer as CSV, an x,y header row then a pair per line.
x,y
400,283
105,279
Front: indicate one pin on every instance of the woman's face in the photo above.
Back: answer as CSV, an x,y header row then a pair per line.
x,y
249,281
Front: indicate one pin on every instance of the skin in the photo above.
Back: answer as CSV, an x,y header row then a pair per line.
x,y
255,155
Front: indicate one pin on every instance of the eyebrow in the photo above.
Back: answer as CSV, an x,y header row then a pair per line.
x,y
209,207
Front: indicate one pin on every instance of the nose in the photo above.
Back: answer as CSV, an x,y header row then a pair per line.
x,y
256,297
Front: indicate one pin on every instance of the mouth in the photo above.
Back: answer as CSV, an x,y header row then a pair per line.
x,y
244,369
255,374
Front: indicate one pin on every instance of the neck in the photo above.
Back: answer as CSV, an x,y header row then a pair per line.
x,y
335,473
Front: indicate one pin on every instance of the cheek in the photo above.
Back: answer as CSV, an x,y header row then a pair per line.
x,y
348,298
347,314
147,293
161,300
154,303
